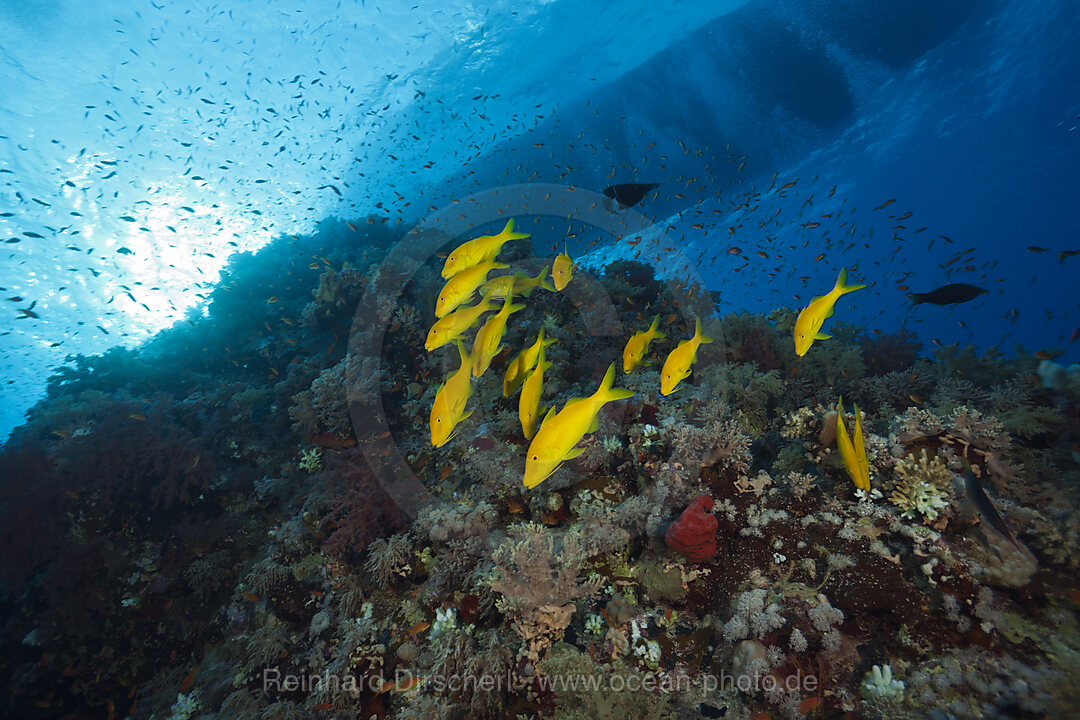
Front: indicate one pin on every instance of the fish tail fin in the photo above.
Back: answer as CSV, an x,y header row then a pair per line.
x,y
508,231
544,282
510,306
653,327
842,283
697,333
606,392
464,354
915,298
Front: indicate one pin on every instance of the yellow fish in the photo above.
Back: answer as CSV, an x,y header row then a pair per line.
x,y
677,366
460,288
479,250
488,340
453,326
531,391
519,284
638,345
853,454
562,271
554,442
813,316
522,363
449,407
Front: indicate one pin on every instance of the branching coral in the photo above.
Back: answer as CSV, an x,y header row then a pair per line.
x,y
924,486
748,391
538,583
721,443
389,558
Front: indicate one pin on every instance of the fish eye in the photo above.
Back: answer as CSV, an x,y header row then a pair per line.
x,y
536,457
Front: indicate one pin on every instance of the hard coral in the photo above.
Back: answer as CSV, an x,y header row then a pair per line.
x,y
693,535
924,486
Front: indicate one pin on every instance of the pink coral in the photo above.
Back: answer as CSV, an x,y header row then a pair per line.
x,y
693,535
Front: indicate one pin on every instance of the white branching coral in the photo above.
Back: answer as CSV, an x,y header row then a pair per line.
x,y
924,486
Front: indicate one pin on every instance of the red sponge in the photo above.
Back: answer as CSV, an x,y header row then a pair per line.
x,y
693,535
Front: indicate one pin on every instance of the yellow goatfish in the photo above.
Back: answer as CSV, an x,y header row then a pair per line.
x,y
518,284
460,288
852,453
813,316
453,326
554,442
449,407
562,271
522,363
488,340
479,250
677,366
638,345
531,391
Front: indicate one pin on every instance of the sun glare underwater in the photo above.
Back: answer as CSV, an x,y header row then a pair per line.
x,y
550,359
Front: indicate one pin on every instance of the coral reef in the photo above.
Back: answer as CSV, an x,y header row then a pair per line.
x,y
180,524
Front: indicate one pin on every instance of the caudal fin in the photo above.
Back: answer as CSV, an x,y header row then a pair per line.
x,y
509,234
653,328
544,283
606,392
697,333
842,286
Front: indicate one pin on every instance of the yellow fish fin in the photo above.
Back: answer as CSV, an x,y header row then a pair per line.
x,y
842,286
508,229
544,282
697,333
573,453
863,481
550,414
822,336
594,425
606,392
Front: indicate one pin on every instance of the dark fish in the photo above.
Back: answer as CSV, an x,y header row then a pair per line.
x,y
628,194
948,294
28,312
985,507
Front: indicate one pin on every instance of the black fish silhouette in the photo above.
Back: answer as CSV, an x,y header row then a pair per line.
x,y
986,507
948,294
628,194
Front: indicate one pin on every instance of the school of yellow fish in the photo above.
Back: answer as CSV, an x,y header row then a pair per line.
x,y
555,440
